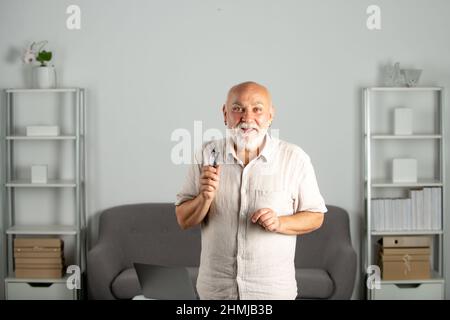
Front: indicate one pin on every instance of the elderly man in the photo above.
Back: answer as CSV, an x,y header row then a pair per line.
x,y
251,203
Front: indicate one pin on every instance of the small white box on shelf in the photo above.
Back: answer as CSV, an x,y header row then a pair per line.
x,y
42,131
403,121
39,173
404,170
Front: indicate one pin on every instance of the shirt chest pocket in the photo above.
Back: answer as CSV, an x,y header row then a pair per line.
x,y
279,201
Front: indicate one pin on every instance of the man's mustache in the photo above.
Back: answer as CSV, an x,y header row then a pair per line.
x,y
244,125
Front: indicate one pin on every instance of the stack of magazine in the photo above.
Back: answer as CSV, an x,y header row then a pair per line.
x,y
421,211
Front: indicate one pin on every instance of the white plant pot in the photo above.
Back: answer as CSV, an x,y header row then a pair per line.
x,y
44,77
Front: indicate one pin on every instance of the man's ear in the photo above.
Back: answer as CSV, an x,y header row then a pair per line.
x,y
224,111
272,113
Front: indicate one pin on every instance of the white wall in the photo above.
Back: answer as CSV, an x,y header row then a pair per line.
x,y
153,66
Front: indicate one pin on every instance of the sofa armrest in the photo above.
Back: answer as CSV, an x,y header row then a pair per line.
x,y
104,263
341,265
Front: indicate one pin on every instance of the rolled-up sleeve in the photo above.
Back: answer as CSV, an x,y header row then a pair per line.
x,y
191,185
309,197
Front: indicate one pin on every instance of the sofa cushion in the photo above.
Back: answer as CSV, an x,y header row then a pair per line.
x,y
313,283
126,284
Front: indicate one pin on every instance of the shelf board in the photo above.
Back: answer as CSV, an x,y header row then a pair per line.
x,y
25,90
420,183
43,280
42,230
404,88
41,137
406,232
405,137
49,184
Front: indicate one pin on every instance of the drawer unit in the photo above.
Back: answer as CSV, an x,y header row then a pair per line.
x,y
410,291
39,291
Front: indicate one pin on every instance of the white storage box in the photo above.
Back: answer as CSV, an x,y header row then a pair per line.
x,y
50,131
410,291
39,291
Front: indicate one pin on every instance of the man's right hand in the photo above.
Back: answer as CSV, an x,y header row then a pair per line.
x,y
192,212
209,182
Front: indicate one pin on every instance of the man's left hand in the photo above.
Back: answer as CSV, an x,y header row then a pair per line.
x,y
267,218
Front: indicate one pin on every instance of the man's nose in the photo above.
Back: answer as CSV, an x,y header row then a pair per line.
x,y
247,116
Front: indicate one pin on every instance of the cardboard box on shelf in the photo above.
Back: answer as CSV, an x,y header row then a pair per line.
x,y
37,249
38,243
39,273
38,254
39,260
39,266
39,257
405,241
405,257
405,267
405,250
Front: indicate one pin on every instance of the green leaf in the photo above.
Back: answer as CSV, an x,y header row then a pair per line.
x,y
44,56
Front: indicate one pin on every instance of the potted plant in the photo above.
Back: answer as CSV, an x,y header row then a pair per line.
x,y
44,76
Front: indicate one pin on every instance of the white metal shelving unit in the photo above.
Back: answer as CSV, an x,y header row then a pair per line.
x,y
56,287
373,184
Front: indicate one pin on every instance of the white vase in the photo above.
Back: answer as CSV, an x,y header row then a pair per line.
x,y
44,77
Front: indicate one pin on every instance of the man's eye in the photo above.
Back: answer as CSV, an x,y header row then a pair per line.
x,y
257,110
237,109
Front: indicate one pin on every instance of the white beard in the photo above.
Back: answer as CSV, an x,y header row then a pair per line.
x,y
249,142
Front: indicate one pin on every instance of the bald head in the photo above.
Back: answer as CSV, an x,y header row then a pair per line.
x,y
245,89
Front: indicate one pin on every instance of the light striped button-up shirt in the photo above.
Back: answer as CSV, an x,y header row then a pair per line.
x,y
240,259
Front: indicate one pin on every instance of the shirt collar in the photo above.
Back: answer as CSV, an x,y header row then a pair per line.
x,y
267,152
269,148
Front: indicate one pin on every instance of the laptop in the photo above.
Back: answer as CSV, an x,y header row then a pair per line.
x,y
165,283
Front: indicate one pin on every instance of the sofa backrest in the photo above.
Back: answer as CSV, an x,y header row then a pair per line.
x,y
312,247
149,233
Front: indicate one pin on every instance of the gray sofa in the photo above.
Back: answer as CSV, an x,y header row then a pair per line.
x,y
149,233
